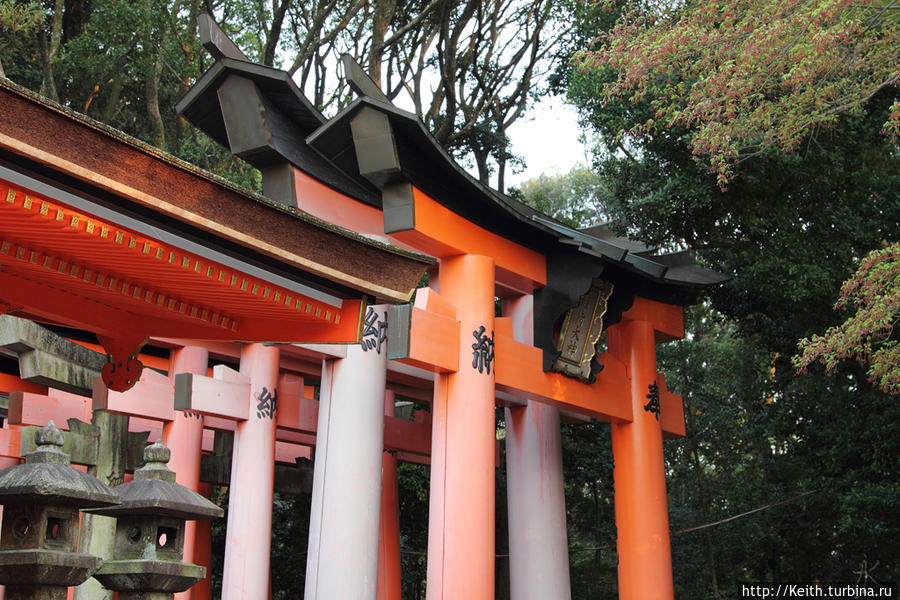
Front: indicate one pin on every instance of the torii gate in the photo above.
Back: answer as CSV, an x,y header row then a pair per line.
x,y
149,403
374,169
101,233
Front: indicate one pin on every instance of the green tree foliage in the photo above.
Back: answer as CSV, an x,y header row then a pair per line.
x,y
15,20
575,197
747,76
124,64
413,494
789,228
868,336
468,68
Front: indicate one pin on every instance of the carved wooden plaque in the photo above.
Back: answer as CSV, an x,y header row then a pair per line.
x,y
580,332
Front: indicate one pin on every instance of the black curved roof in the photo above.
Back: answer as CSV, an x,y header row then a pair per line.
x,y
405,151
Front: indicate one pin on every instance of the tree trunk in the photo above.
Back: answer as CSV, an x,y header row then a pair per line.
x,y
384,12
151,82
481,161
112,101
188,49
704,508
502,155
274,34
158,131
49,50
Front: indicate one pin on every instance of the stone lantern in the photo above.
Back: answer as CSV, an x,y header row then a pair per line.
x,y
146,563
38,539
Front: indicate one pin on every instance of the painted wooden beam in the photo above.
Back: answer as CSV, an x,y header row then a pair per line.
x,y
442,233
144,399
519,370
423,339
667,319
226,394
671,411
10,383
26,408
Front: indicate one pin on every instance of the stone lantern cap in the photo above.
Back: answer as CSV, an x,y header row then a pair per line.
x,y
47,478
153,492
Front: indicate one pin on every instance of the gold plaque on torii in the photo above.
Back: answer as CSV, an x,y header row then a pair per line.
x,y
580,332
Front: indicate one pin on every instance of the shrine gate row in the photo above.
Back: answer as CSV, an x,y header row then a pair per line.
x,y
313,283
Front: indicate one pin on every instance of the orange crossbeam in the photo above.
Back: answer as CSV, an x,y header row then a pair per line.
x,y
671,411
667,319
519,371
301,415
27,408
433,342
434,335
407,436
11,383
146,398
441,232
438,231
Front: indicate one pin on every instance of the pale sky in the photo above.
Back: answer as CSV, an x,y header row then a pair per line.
x,y
548,140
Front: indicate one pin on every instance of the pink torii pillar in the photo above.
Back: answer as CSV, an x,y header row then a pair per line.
x,y
389,537
152,398
249,397
249,534
184,437
346,502
538,546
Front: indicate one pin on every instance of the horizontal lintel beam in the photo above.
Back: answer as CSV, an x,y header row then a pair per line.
x,y
667,319
440,232
671,411
223,397
150,398
520,371
423,339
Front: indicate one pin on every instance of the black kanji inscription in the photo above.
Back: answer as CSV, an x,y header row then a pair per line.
x,y
482,350
267,404
374,332
653,405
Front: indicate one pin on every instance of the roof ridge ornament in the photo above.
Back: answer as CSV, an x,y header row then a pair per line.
x,y
361,82
216,41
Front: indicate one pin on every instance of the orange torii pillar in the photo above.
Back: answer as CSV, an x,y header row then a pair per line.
x,y
461,512
342,556
642,518
184,437
250,398
389,535
538,546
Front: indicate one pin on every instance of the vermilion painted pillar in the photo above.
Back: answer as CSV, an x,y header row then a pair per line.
x,y
461,512
184,437
389,535
248,538
538,546
642,518
202,590
346,502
